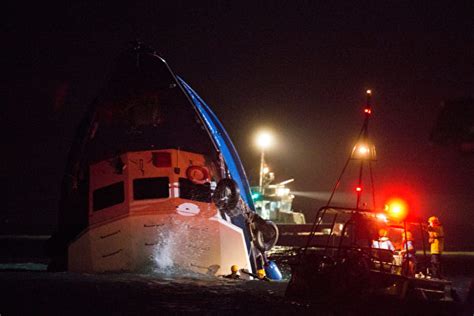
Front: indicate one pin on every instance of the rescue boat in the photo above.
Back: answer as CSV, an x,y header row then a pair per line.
x,y
340,264
154,181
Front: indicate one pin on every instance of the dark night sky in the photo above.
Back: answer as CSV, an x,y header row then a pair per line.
x,y
299,69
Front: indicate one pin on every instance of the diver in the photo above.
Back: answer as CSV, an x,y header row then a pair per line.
x,y
408,254
436,240
234,273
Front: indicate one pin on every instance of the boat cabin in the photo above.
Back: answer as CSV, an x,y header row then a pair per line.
x,y
142,182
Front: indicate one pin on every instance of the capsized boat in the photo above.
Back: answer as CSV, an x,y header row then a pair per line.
x,y
154,181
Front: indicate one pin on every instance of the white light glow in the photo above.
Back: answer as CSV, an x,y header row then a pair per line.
x,y
264,140
282,191
363,150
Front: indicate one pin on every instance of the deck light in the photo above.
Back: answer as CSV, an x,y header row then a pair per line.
x,y
364,151
264,140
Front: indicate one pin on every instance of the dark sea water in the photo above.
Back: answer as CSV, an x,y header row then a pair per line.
x,y
28,289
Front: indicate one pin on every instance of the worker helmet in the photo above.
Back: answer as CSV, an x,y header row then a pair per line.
x,y
409,235
234,268
434,220
260,273
382,232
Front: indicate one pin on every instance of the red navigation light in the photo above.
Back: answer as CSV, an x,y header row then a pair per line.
x,y
368,108
358,189
397,208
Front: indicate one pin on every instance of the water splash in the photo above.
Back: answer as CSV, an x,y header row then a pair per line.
x,y
163,252
175,249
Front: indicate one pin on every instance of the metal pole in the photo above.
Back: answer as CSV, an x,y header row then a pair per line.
x,y
262,166
359,192
405,263
372,183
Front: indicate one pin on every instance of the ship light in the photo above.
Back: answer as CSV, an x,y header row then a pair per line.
x,y
282,191
256,196
363,151
397,208
264,140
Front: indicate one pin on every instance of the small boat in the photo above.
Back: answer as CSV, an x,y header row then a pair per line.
x,y
341,261
154,181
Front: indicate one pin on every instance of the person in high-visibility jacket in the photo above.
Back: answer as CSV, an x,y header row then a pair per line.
x,y
408,252
383,242
436,240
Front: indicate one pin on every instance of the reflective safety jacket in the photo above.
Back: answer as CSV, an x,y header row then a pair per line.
x,y
436,239
383,243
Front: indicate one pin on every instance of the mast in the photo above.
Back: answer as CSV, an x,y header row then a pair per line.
x,y
364,141
364,151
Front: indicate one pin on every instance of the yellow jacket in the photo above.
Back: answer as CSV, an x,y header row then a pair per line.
x,y
436,239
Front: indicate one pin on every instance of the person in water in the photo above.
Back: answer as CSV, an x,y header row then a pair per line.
x,y
262,276
234,273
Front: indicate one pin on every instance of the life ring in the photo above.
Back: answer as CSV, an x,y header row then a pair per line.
x,y
265,233
198,174
226,197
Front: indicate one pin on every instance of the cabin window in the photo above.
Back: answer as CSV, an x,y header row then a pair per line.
x,y
151,188
192,191
108,196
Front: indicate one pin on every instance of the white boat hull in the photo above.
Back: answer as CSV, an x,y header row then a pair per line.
x,y
143,242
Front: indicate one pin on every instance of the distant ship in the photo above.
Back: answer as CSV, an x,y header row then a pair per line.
x,y
274,202
153,180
